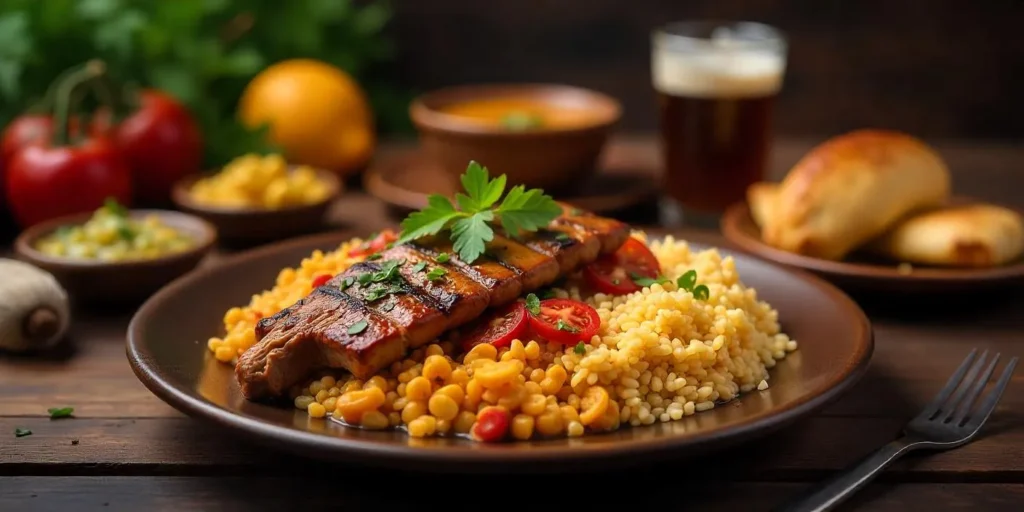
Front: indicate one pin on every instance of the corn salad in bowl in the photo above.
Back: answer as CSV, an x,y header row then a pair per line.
x,y
260,181
112,235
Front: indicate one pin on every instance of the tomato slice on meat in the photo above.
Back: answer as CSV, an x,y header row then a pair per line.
x,y
565,321
374,245
613,273
499,328
320,280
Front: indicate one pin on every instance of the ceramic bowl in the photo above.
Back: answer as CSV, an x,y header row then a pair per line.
x,y
550,157
244,226
91,282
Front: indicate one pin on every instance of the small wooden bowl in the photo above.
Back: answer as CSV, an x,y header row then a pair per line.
x,y
91,282
552,158
242,226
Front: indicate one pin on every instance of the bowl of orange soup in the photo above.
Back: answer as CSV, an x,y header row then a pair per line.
x,y
539,135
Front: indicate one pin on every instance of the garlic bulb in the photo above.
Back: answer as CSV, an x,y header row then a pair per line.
x,y
34,311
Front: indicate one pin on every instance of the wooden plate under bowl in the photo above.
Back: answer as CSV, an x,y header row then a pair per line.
x,y
93,282
861,275
405,181
251,225
167,350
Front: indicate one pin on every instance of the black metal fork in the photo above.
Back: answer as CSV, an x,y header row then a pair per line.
x,y
946,423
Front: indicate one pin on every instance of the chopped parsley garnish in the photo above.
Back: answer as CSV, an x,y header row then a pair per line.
x,y
419,267
442,258
126,232
701,292
388,271
470,225
533,304
22,432
348,281
364,278
387,307
64,231
575,211
562,325
115,208
580,349
374,256
436,273
60,412
647,281
548,294
521,121
357,327
562,237
687,280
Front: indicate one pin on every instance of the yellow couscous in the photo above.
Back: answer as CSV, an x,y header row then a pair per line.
x,y
111,234
260,181
660,354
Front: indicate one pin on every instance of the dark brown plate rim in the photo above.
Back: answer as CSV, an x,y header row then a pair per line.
x,y
738,215
485,457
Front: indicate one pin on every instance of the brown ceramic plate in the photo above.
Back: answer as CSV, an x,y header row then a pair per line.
x,y
404,181
867,276
167,350
250,225
92,282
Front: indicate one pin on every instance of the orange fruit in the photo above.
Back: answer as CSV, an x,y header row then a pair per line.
x,y
317,113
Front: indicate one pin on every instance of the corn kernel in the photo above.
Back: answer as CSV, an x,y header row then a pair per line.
x,y
464,422
434,350
569,413
474,392
302,402
317,410
454,391
534,404
532,350
482,351
443,426
437,369
423,426
394,419
443,407
330,403
460,376
352,405
418,389
224,354
532,388
321,395
497,375
377,382
328,382
413,410
574,429
522,426
513,398
549,423
374,420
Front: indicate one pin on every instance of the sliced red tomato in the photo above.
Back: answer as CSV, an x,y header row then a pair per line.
x,y
491,424
565,321
499,328
375,244
320,280
613,273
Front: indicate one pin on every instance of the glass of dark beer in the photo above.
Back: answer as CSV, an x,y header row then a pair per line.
x,y
716,85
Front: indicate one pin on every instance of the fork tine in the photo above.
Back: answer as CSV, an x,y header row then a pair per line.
x,y
951,384
979,384
993,397
950,407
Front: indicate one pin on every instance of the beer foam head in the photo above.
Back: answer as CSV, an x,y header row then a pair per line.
x,y
717,71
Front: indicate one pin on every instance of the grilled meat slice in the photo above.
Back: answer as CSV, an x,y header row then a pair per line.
x,y
404,309
460,298
326,329
418,316
500,281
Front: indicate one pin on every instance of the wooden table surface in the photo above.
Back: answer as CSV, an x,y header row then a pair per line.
x,y
127,450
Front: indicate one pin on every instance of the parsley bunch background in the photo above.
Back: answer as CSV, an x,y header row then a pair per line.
x,y
521,211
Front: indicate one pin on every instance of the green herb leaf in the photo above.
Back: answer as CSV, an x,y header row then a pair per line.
x,y
374,256
364,278
429,221
357,327
562,237
60,412
701,292
533,304
387,307
376,293
471,235
517,121
647,281
22,432
126,232
687,280
442,258
348,281
563,326
419,267
436,273
580,349
115,208
527,210
482,191
388,271
548,294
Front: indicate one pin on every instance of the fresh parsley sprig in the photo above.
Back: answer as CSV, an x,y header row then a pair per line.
x,y
471,224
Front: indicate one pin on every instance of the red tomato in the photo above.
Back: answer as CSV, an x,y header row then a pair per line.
x,y
613,273
374,245
491,424
499,328
565,321
22,131
161,142
47,181
321,279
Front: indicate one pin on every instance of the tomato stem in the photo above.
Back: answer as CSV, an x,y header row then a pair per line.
x,y
66,97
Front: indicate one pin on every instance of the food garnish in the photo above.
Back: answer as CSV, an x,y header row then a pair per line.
x,y
565,321
491,425
436,273
60,412
580,349
22,432
499,328
517,121
627,270
471,224
357,327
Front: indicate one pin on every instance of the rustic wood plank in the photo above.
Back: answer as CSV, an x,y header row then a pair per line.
x,y
247,494
808,449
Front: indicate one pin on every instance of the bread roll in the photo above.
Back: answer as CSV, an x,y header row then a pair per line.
x,y
761,200
851,189
977,235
